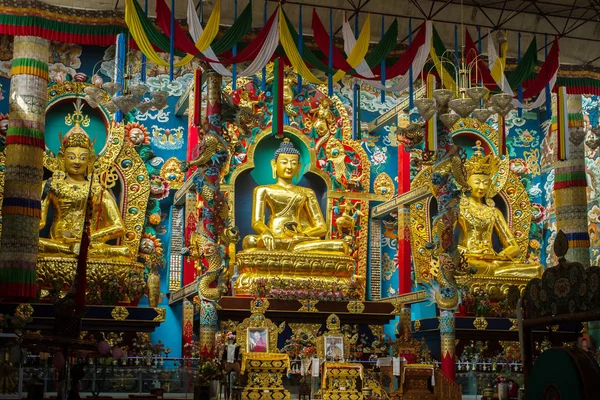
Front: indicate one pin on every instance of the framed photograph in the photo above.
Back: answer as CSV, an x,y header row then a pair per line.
x,y
257,340
334,348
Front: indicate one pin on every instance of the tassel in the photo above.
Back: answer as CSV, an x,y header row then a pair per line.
x,y
562,124
278,83
431,124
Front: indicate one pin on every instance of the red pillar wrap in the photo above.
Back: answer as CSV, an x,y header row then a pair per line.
x,y
404,260
447,335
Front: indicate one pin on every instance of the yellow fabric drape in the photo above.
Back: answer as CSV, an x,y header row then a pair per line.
x,y
292,52
499,67
138,34
212,28
358,53
446,78
289,46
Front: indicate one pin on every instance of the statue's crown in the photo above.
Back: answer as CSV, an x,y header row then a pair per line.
x,y
480,164
77,136
286,147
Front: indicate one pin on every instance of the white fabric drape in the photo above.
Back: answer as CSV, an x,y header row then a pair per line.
x,y
364,69
196,31
266,52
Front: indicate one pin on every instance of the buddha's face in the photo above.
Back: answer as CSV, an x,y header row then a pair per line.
x,y
76,160
286,166
480,185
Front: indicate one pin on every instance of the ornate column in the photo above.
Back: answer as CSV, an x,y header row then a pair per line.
x,y
25,147
404,259
570,189
447,336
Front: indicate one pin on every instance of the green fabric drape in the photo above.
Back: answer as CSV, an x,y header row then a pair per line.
x,y
240,27
309,57
154,35
384,47
440,50
525,66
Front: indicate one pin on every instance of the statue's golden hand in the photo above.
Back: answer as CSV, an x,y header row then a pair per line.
x,y
268,240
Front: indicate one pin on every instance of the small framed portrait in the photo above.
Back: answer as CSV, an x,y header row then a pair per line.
x,y
334,348
257,340
584,342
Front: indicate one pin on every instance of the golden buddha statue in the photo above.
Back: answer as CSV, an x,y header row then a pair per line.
x,y
66,193
479,219
289,244
295,223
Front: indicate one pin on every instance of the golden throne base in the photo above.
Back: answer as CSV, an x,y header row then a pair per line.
x,y
56,273
496,286
292,267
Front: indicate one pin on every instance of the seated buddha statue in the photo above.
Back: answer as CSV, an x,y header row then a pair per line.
x,y
66,193
479,219
295,222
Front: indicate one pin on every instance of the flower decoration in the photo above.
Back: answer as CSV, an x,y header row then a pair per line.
x,y
519,166
159,187
379,156
538,212
150,245
209,369
136,134
154,219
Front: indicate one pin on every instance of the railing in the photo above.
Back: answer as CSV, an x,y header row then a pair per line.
x,y
445,388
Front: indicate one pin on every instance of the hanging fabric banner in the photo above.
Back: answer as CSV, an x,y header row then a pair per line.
x,y
444,68
416,55
182,41
479,71
138,26
563,124
431,124
289,46
525,67
233,35
498,65
278,82
356,55
547,73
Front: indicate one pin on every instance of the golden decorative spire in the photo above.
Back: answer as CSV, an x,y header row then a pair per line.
x,y
77,136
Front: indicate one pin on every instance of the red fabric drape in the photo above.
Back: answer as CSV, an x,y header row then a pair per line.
x,y
184,43
64,37
479,70
546,73
339,61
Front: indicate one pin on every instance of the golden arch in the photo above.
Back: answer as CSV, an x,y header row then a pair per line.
x,y
512,191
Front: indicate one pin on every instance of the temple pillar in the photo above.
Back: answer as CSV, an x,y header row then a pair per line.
x,y
208,311
25,146
570,189
404,259
447,336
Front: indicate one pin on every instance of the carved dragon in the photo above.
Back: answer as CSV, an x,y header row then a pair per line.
x,y
447,263
208,244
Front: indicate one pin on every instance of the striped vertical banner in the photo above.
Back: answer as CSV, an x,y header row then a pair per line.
x,y
562,140
501,135
278,83
431,124
25,145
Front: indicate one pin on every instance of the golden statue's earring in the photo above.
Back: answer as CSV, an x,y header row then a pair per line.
x,y
273,173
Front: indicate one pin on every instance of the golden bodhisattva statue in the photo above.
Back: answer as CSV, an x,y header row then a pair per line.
x,y
479,219
66,194
295,222
290,243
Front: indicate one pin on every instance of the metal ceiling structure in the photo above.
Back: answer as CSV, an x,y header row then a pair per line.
x,y
577,22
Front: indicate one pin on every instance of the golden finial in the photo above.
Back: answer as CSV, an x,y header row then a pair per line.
x,y
480,164
77,118
77,136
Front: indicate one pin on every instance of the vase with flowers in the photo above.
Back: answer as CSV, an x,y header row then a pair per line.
x,y
501,383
